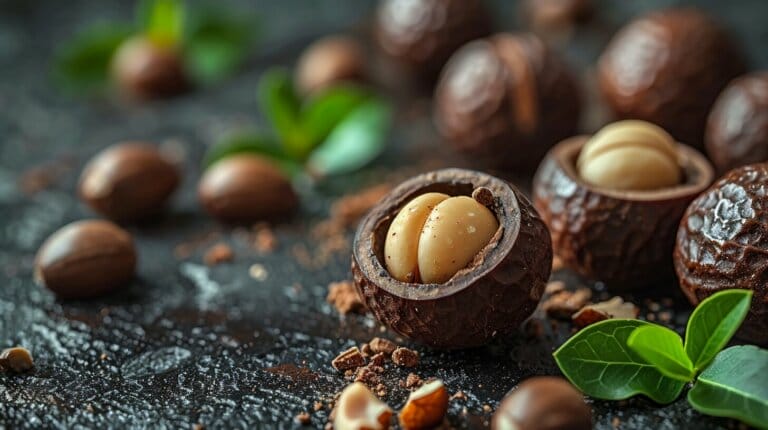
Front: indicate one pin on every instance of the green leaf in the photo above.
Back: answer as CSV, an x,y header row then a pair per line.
x,y
323,112
713,323
282,107
598,361
735,385
663,348
82,65
162,20
357,140
251,142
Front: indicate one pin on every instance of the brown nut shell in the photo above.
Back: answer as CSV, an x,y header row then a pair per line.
x,y
128,182
621,237
722,243
145,70
506,100
667,68
86,259
330,61
488,299
246,188
737,128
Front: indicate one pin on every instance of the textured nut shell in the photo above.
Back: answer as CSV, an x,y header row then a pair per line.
x,y
489,299
543,403
623,238
146,70
506,100
245,188
86,259
723,243
737,129
667,68
128,181
329,61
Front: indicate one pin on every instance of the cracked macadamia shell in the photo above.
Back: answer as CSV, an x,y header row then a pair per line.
x,y
488,299
620,237
723,243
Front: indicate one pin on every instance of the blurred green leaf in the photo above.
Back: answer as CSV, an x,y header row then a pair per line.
x,y
281,105
322,113
162,20
354,142
251,142
82,64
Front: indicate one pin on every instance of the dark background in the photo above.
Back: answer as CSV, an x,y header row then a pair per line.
x,y
189,344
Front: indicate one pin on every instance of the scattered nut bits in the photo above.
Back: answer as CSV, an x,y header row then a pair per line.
x,y
358,409
303,419
349,359
386,346
613,308
413,381
566,303
425,407
16,359
343,296
217,254
405,357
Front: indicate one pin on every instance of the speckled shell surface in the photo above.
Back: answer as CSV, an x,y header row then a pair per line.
x,y
723,243
488,299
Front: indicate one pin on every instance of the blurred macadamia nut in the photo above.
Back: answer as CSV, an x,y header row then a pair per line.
x,y
543,403
330,61
144,69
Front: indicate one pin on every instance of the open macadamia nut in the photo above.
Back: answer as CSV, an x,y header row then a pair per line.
x,y
506,100
543,403
722,243
465,244
330,61
619,226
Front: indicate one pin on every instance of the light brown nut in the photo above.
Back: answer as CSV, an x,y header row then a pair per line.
x,y
385,346
613,308
17,359
426,407
358,409
349,359
330,61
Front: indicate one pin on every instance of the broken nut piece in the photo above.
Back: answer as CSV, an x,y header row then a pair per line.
x,y
613,308
358,409
349,359
17,359
425,407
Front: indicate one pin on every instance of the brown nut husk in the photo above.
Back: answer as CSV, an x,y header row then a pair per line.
x,y
128,181
246,188
330,61
722,243
144,69
667,68
506,100
624,238
504,282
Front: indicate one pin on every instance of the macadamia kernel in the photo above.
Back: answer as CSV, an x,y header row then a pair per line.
x,y
358,409
434,236
630,155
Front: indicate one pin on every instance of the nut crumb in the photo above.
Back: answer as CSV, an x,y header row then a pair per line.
x,y
367,376
613,308
366,350
487,408
264,240
258,272
379,345
378,359
566,303
317,406
303,419
343,296
380,390
459,395
198,426
557,263
554,287
413,381
615,422
405,357
349,359
217,254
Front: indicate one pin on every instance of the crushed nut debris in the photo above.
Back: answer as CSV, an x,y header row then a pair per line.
x,y
613,308
566,303
343,296
349,359
405,357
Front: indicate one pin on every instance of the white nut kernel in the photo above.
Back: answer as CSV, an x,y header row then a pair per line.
x,y
358,409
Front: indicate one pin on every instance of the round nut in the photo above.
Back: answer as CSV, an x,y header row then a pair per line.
x,y
128,181
17,359
630,155
246,188
329,61
543,403
358,409
86,259
144,69
426,407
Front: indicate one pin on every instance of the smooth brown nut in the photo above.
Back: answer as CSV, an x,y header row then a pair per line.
x,y
630,155
543,403
426,407
128,181
246,188
330,61
17,359
358,409
86,259
144,69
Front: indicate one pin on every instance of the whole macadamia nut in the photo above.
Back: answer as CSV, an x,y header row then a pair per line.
x,y
543,403
330,61
144,69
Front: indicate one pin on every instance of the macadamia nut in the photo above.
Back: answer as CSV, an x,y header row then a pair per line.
x,y
630,155
358,409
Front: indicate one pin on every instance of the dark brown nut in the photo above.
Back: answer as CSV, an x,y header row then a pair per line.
x,y
128,181
246,188
737,128
504,282
723,243
667,68
506,100
145,70
330,61
16,359
543,403
621,237
420,35
86,259
348,359
554,16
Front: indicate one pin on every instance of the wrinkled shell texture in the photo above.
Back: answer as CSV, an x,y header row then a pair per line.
x,y
723,243
487,307
506,100
667,68
422,34
737,130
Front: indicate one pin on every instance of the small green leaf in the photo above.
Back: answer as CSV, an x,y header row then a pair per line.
x,y
735,385
251,142
663,348
282,107
598,361
82,65
162,20
357,140
323,112
713,323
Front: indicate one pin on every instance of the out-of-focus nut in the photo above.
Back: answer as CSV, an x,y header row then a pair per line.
x,y
425,407
330,61
358,409
613,308
17,359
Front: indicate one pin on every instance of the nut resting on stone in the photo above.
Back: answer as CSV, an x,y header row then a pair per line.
x,y
500,273
506,100
358,409
145,69
16,359
722,243
621,231
330,61
425,407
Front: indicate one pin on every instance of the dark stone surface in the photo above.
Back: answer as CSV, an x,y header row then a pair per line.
x,y
189,344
